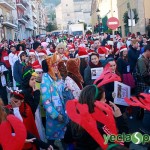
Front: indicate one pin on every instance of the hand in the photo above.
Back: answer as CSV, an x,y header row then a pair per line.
x,y
34,88
15,104
30,140
116,110
60,118
50,148
113,95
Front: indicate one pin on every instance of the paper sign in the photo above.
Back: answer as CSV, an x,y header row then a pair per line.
x,y
121,90
96,72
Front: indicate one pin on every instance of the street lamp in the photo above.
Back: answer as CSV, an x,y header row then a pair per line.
x,y
1,25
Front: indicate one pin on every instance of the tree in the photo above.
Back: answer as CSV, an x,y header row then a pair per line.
x,y
50,27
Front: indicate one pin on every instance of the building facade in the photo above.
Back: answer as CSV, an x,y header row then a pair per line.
x,y
9,25
142,8
103,9
21,19
73,11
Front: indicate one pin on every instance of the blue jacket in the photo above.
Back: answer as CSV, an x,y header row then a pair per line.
x,y
17,73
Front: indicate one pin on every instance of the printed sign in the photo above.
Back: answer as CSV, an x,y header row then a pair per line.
x,y
96,72
121,90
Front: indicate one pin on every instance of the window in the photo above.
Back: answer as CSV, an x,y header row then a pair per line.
x,y
68,14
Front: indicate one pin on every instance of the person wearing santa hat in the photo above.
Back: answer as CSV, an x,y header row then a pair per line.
x,y
102,51
71,49
83,55
32,56
42,55
123,67
40,115
44,46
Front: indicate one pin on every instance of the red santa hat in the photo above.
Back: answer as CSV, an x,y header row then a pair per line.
x,y
108,47
71,47
123,48
82,53
42,53
102,51
90,51
37,67
32,52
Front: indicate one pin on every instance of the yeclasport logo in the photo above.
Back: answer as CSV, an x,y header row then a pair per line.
x,y
136,138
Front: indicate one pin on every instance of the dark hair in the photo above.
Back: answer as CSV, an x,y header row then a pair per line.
x,y
87,96
44,66
16,96
12,46
121,55
94,54
109,59
53,45
147,48
20,45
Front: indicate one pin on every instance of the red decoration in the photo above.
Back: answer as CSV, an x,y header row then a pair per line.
x,y
106,77
79,114
141,100
113,23
9,141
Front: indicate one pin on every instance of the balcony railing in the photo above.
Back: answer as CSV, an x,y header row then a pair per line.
x,y
42,27
8,4
21,5
10,21
23,19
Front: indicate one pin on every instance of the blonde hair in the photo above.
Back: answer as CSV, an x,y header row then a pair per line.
x,y
60,45
134,41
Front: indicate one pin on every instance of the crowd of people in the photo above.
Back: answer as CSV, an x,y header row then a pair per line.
x,y
52,97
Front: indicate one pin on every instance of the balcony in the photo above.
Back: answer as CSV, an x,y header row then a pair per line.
x,y
43,27
35,25
33,5
10,22
29,26
26,2
8,4
21,5
23,19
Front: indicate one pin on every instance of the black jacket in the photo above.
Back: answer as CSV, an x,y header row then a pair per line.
x,y
133,56
83,141
32,100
